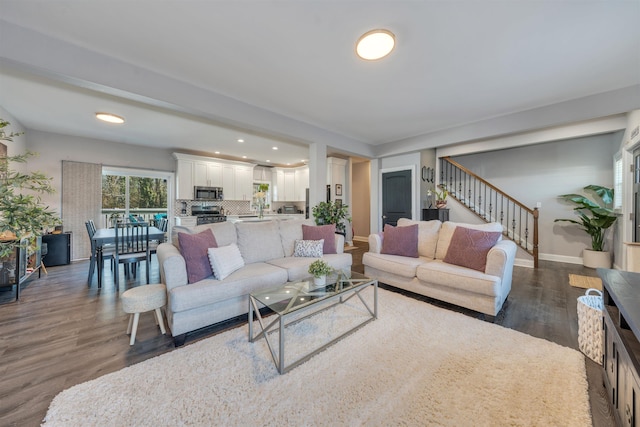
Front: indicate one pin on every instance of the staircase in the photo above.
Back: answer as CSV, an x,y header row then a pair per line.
x,y
519,222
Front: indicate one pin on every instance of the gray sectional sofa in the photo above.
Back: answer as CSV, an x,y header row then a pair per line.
x,y
428,274
267,249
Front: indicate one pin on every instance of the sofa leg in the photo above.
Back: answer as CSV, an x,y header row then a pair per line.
x,y
178,341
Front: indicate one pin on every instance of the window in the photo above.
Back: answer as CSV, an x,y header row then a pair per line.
x,y
617,181
134,194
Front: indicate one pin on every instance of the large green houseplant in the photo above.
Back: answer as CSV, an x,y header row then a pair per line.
x,y
332,213
22,213
595,217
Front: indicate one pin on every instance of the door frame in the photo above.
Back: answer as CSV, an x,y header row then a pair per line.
x,y
414,192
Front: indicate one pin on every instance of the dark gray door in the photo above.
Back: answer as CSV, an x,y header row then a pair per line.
x,y
636,195
397,189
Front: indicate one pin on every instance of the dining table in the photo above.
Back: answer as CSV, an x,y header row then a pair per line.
x,y
107,236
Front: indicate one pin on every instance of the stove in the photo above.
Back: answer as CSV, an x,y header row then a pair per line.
x,y
208,214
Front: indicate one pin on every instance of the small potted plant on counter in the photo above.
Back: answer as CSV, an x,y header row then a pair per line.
x,y
319,269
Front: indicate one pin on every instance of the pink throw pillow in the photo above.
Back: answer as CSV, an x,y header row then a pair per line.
x,y
401,241
469,248
193,248
317,232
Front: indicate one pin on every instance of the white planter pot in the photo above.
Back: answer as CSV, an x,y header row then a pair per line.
x,y
596,259
320,281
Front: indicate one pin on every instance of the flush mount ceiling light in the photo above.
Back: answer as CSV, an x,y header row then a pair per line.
x,y
110,118
375,44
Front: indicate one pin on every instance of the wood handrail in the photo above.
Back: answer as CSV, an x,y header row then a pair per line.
x,y
516,227
487,183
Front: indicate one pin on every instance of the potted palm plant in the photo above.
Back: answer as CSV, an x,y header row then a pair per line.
x,y
22,214
595,217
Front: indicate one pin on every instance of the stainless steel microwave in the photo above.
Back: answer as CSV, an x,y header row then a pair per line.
x,y
207,193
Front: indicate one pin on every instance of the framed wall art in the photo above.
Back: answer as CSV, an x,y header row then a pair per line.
x,y
338,189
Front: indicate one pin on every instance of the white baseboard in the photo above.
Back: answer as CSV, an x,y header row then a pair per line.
x,y
561,258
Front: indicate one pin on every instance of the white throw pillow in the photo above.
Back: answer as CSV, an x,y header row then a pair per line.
x,y
309,248
225,260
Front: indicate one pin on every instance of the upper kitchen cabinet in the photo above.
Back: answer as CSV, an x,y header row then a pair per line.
x,y
290,184
207,174
236,178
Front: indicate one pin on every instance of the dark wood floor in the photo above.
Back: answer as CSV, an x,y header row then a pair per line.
x,y
63,333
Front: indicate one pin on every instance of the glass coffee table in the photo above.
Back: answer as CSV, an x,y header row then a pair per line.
x,y
300,300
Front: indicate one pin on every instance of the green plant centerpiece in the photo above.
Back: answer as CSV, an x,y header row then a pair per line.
x,y
319,268
22,213
595,216
331,213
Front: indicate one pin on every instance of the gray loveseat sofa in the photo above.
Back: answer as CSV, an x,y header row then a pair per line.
x,y
429,275
267,249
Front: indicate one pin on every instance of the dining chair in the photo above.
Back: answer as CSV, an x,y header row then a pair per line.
x,y
132,246
106,252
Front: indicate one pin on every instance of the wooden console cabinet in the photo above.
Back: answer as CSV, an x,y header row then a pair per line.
x,y
622,343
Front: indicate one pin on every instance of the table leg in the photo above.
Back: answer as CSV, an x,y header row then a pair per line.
x,y
281,355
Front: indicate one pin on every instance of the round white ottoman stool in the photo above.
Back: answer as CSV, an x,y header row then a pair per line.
x,y
140,300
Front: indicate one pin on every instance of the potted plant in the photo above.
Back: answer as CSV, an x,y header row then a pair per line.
x,y
319,269
440,192
595,218
332,213
22,213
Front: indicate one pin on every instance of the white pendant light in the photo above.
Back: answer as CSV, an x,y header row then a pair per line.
x,y
110,118
375,44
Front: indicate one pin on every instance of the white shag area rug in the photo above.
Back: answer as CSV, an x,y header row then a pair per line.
x,y
415,365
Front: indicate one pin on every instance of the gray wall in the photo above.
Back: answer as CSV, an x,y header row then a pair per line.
x,y
539,173
53,148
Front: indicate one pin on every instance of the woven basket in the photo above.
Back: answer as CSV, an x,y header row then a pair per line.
x,y
590,324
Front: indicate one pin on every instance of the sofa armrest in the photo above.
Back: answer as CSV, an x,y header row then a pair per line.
x,y
339,243
500,260
375,243
173,268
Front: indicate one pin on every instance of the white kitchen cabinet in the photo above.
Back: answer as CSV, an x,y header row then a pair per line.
x,y
243,183
207,174
290,184
186,221
236,178
184,179
301,183
229,182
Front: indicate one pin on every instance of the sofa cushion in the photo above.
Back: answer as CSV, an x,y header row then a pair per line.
x,y
447,229
440,273
290,231
193,248
224,232
427,235
225,260
469,248
239,283
400,265
401,241
309,248
259,241
317,232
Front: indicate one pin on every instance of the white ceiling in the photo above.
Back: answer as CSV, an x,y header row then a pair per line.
x,y
290,65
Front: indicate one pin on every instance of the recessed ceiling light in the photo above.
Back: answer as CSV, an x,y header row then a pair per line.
x,y
375,44
268,161
240,140
274,148
110,118
216,152
244,157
